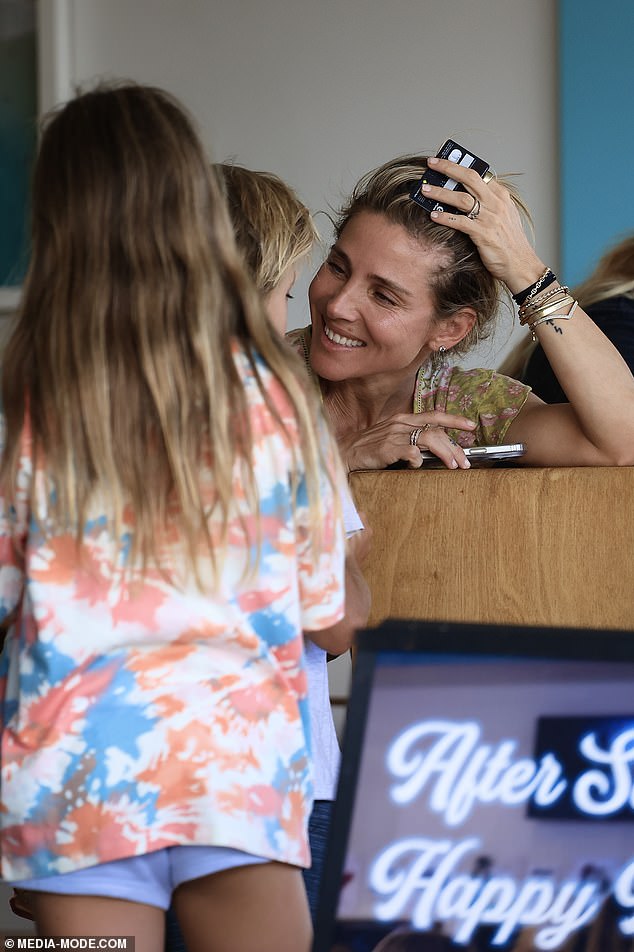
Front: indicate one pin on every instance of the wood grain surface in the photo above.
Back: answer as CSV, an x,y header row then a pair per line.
x,y
521,546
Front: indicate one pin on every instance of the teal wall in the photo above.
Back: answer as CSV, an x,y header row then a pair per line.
x,y
596,118
17,141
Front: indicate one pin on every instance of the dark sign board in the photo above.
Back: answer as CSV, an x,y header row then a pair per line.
x,y
486,793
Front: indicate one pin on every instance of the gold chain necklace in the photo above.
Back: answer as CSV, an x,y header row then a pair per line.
x,y
424,383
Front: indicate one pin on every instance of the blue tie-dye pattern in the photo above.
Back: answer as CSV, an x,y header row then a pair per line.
x,y
5,608
50,666
180,767
276,503
301,499
9,710
126,547
273,627
304,711
299,776
41,861
108,723
99,523
36,536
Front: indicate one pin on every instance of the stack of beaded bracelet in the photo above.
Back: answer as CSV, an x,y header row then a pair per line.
x,y
547,305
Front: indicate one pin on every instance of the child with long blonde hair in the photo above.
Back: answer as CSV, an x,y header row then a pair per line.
x,y
168,529
276,233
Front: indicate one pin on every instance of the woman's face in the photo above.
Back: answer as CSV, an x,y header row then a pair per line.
x,y
371,308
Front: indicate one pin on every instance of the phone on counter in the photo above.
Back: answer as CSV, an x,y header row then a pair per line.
x,y
455,153
486,453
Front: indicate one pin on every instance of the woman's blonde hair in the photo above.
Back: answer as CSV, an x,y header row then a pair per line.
x,y
135,298
612,277
462,280
273,228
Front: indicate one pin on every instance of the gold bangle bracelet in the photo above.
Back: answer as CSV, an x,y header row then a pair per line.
x,y
549,309
553,317
560,296
541,299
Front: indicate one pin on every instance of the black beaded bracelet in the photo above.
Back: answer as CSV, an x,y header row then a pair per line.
x,y
542,282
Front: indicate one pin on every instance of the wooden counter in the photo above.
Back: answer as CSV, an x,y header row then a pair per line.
x,y
523,546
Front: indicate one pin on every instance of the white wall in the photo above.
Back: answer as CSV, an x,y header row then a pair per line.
x,y
320,91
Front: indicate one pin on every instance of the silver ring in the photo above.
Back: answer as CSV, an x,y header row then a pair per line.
x,y
488,175
413,437
475,211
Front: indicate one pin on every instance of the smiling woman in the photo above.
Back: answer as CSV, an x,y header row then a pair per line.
x,y
403,291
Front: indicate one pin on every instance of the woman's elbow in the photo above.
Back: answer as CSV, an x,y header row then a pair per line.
x,y
622,459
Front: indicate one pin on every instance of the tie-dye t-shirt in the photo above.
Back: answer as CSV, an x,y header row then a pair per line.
x,y
137,715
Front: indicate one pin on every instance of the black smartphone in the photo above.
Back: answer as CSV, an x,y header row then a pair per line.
x,y
455,153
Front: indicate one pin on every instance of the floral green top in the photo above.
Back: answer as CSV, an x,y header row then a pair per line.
x,y
491,399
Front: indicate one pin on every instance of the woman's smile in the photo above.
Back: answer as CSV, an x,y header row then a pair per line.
x,y
340,339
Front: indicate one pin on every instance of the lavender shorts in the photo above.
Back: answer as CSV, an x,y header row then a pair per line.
x,y
150,879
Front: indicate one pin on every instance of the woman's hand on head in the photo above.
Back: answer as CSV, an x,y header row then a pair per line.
x,y
401,438
496,230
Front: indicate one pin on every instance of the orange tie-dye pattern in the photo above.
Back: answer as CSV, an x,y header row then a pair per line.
x,y
137,714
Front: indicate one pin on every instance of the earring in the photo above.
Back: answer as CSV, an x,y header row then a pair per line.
x,y
439,359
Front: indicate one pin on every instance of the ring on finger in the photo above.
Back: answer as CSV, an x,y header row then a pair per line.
x,y
475,211
413,437
488,175
425,427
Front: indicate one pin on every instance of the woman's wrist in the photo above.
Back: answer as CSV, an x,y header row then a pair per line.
x,y
524,276
346,454
530,293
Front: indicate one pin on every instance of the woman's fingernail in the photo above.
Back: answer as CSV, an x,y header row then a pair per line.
x,y
434,214
432,160
426,188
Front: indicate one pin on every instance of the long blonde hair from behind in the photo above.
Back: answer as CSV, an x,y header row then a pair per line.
x,y
121,359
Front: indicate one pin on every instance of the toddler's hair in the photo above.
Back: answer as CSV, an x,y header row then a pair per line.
x,y
273,228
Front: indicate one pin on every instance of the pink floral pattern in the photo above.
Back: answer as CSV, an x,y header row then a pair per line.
x,y
491,399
